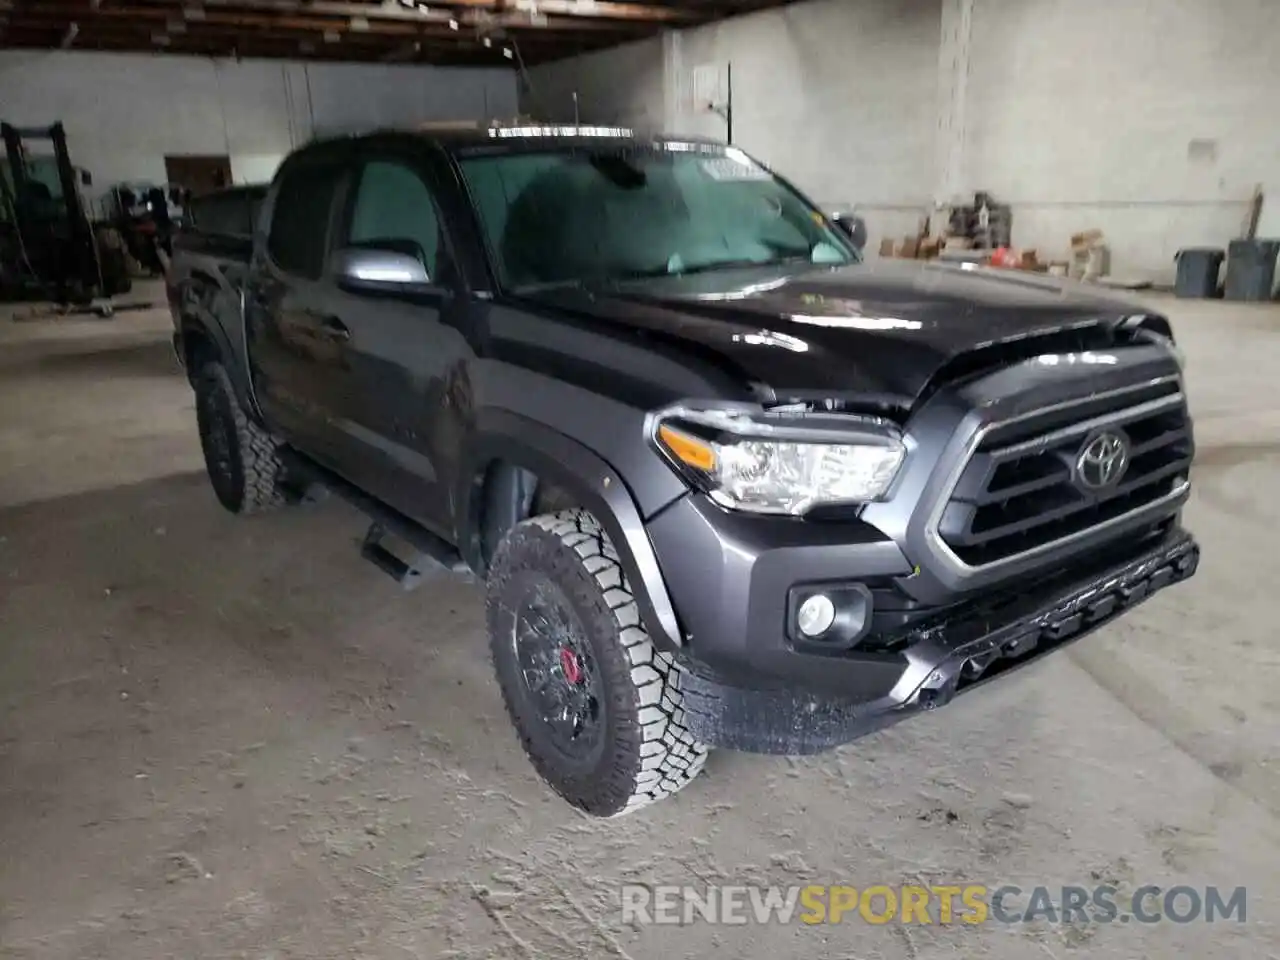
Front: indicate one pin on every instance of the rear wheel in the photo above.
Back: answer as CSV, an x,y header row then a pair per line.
x,y
597,707
240,457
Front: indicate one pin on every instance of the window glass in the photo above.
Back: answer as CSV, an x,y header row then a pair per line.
x,y
300,219
638,211
393,206
495,185
225,213
206,214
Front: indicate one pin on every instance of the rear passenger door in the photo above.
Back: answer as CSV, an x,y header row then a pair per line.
x,y
405,347
296,354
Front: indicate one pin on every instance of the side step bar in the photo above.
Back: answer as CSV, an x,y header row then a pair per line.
x,y
428,553
408,573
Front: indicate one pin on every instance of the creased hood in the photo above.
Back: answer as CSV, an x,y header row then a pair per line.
x,y
879,331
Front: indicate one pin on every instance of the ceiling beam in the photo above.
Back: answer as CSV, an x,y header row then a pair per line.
x,y
227,39
276,50
436,25
396,12
230,42
440,31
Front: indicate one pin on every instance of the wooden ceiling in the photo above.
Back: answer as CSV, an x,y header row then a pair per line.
x,y
450,32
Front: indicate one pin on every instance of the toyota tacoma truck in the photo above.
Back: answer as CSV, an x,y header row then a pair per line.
x,y
725,482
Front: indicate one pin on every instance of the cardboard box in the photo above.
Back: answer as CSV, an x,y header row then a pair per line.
x,y
1086,239
929,247
1090,238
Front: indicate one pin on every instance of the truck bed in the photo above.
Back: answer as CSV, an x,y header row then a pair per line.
x,y
211,255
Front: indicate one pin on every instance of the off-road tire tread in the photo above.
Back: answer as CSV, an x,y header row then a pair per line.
x,y
652,754
261,467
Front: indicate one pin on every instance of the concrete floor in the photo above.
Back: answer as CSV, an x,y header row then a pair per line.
x,y
232,738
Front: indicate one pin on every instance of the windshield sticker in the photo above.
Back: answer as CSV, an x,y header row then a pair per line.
x,y
729,168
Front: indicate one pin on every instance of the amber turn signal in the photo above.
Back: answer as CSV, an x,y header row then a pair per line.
x,y
687,449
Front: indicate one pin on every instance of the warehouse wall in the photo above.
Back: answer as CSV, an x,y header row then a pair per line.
x,y
1150,120
124,113
624,86
839,96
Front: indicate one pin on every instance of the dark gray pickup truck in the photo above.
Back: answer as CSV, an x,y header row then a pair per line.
x,y
726,483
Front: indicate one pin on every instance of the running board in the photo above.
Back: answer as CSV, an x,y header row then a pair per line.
x,y
427,552
408,573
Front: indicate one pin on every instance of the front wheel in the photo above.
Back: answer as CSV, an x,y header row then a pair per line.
x,y
241,459
597,707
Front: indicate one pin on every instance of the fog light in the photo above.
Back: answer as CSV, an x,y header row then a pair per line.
x,y
816,615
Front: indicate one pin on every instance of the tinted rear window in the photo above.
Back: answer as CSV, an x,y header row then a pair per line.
x,y
231,213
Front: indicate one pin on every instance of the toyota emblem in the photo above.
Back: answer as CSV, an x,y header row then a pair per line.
x,y
1102,461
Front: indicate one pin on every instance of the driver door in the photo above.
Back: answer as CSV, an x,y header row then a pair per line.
x,y
402,346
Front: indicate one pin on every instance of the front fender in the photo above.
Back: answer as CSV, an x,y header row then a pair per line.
x,y
199,298
502,435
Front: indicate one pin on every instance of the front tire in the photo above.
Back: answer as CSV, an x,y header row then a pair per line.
x,y
240,457
598,709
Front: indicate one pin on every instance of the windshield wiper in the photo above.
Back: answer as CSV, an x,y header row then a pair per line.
x,y
654,273
741,264
569,283
709,267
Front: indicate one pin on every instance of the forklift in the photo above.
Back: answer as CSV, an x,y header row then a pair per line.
x,y
50,247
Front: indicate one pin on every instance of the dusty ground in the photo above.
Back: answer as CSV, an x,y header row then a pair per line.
x,y
232,738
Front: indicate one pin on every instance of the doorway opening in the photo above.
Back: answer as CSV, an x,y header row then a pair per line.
x,y
198,174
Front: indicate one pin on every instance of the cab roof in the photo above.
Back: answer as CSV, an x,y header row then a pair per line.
x,y
520,133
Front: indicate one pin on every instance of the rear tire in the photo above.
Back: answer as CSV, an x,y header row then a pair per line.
x,y
244,467
640,750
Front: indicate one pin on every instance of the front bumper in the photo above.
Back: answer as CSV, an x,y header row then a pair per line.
x,y
751,689
915,621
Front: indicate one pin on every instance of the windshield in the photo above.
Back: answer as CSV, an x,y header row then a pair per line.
x,y
44,182
587,216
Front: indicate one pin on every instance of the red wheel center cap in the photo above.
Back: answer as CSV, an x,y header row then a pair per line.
x,y
570,665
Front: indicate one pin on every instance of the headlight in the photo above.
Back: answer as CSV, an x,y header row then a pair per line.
x,y
763,462
1165,340
1179,357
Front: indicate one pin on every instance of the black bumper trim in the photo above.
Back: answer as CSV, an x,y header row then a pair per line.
x,y
939,663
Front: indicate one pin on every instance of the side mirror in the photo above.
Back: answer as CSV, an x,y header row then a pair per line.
x,y
86,178
379,268
852,226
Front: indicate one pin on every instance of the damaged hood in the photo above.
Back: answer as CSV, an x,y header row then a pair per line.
x,y
880,330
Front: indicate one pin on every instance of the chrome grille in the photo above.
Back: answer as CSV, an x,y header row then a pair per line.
x,y
1023,488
